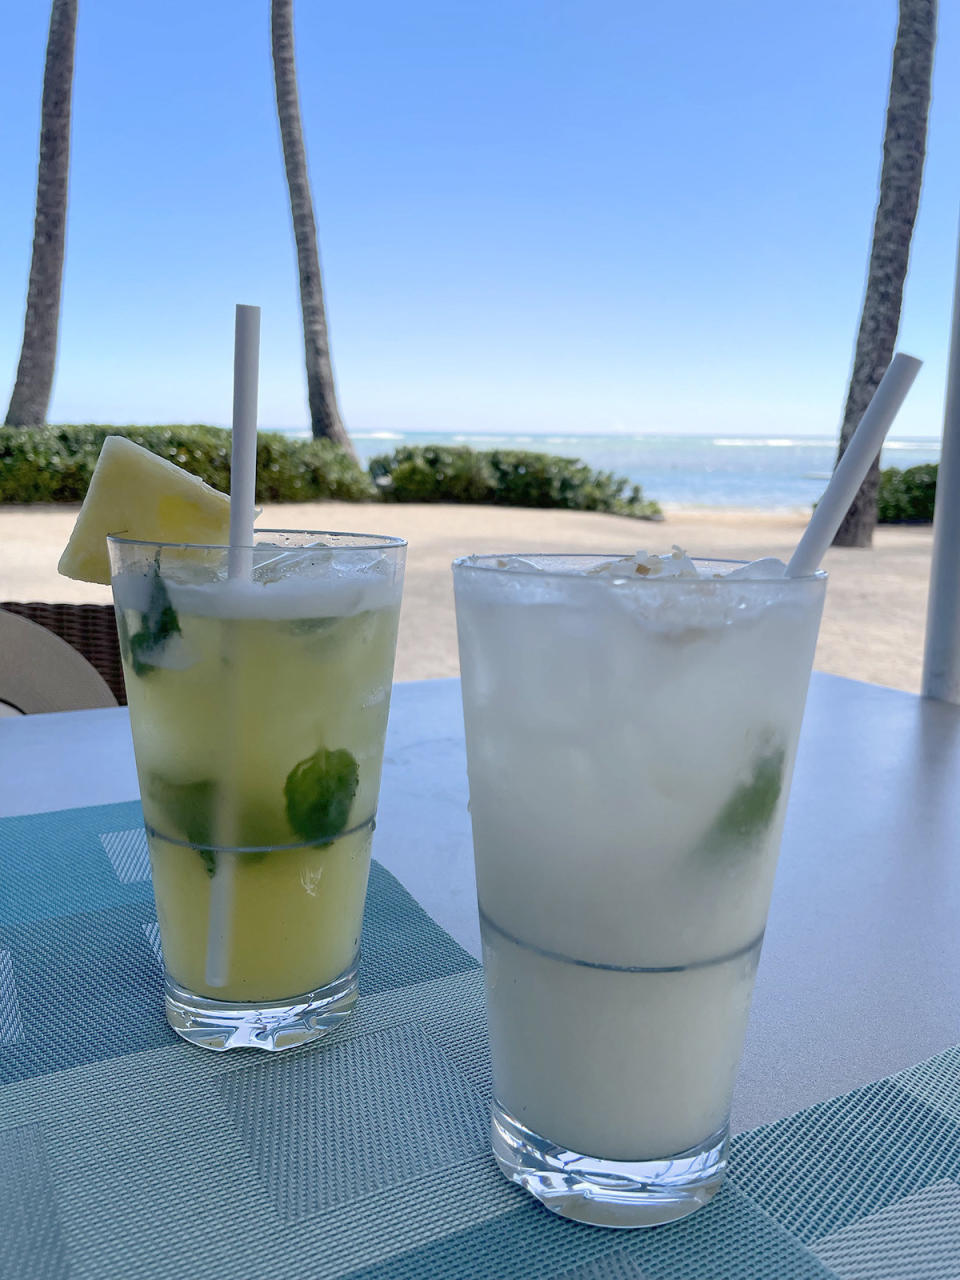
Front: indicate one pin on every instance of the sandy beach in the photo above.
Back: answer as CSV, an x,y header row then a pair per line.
x,y
872,628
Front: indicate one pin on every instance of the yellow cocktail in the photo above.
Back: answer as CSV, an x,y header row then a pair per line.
x,y
259,706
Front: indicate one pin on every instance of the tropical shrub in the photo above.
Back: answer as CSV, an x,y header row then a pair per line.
x,y
907,497
504,477
54,464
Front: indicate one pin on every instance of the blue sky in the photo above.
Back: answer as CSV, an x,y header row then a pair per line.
x,y
534,215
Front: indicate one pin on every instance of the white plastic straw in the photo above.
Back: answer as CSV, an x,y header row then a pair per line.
x,y
854,465
243,450
243,481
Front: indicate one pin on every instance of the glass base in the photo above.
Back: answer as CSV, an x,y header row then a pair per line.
x,y
608,1193
272,1025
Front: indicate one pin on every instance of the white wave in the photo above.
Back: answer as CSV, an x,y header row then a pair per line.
x,y
774,442
376,435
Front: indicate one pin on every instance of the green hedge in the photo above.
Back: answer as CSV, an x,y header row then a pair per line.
x,y
505,477
54,464
907,496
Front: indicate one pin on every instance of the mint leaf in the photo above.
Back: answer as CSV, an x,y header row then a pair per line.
x,y
750,809
313,626
319,792
185,809
156,626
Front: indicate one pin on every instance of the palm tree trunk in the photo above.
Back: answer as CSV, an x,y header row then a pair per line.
x,y
325,419
904,146
38,352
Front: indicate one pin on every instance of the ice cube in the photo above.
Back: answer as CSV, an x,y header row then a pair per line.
x,y
678,564
675,564
361,560
132,588
765,568
518,564
620,568
273,564
644,564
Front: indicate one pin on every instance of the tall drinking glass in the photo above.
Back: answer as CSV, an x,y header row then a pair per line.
x,y
258,700
630,742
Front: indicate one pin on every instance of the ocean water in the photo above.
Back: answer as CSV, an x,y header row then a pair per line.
x,y
709,471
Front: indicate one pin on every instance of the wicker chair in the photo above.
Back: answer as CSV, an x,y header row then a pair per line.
x,y
91,629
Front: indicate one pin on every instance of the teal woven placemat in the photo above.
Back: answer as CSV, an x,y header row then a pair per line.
x,y
126,1153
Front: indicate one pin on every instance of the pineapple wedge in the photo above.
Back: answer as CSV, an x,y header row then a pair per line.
x,y
136,494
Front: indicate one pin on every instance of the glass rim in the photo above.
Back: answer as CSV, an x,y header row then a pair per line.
x,y
378,541
483,563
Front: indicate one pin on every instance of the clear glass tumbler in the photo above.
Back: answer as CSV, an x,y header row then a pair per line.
x,y
259,685
630,743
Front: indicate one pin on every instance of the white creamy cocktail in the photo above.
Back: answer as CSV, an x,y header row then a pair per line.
x,y
631,728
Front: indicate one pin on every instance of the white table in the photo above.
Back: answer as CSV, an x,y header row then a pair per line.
x,y
860,974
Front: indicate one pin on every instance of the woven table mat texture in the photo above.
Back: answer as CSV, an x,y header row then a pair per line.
x,y
126,1153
